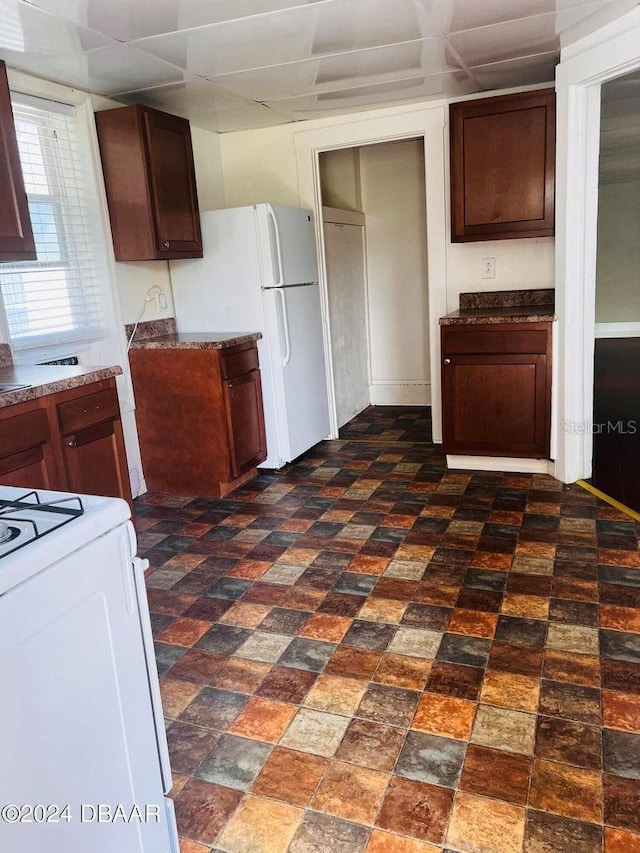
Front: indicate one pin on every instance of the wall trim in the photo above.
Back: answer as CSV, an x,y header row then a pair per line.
x,y
618,330
400,393
338,216
603,55
508,464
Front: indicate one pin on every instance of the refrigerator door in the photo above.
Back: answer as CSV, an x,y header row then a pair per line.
x,y
294,330
287,245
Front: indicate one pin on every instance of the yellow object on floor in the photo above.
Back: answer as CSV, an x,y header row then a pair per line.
x,y
627,510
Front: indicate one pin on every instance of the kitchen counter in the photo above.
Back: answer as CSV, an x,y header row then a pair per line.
x,y
49,379
507,306
196,340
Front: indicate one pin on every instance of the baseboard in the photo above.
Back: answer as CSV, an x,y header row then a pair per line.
x,y
400,393
509,464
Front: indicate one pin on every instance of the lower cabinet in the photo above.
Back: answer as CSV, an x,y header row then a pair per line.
x,y
200,417
496,389
71,441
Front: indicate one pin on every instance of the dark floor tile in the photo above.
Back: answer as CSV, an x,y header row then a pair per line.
x,y
229,588
432,759
188,745
623,596
427,616
209,609
461,649
529,584
319,578
166,656
522,632
416,809
622,802
549,833
620,645
223,639
159,621
341,604
320,832
389,705
202,809
284,620
265,593
497,774
448,679
286,684
570,702
357,584
623,575
234,762
573,612
480,599
569,743
369,635
311,655
371,745
520,660
214,709
621,753
621,675
197,666
481,579
401,590
351,662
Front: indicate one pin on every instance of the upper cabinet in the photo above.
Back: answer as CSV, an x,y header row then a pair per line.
x,y
16,235
503,167
150,182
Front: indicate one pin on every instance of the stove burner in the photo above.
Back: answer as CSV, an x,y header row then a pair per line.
x,y
28,518
8,534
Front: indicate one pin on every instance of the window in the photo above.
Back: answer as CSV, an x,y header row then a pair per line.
x,y
54,303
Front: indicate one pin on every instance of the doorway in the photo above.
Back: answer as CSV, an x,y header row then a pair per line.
x,y
374,245
616,419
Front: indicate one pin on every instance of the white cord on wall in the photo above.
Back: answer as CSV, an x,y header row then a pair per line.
x,y
154,292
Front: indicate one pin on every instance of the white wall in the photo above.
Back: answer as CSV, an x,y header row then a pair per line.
x,y
618,260
393,202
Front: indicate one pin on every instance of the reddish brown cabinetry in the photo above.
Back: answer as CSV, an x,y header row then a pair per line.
x,y
149,177
503,167
496,389
70,441
200,418
16,236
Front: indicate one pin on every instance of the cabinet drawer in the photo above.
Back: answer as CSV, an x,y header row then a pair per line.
x,y
86,411
21,432
238,362
458,341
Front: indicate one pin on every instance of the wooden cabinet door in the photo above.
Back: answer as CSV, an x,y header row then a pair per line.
x,y
496,405
246,422
16,235
95,462
173,183
503,167
31,469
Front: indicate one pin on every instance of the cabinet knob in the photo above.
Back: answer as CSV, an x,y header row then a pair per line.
x,y
165,244
72,443
447,361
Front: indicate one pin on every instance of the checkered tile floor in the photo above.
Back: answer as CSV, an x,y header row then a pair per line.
x,y
370,653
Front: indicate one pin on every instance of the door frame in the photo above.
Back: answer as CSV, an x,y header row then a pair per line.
x,y
609,52
428,122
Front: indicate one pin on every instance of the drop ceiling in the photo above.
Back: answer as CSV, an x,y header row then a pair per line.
x,y
237,64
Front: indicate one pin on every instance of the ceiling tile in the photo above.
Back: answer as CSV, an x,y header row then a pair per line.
x,y
378,95
455,15
343,71
126,20
311,30
517,72
111,70
249,117
507,41
28,36
186,98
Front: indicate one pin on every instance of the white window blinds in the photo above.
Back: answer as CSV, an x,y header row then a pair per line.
x,y
55,301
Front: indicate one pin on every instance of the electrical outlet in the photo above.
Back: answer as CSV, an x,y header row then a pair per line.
x,y
162,301
488,268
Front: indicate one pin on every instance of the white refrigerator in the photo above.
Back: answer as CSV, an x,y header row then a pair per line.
x,y
260,273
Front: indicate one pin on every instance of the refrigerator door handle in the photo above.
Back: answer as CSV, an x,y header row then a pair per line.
x,y
274,234
285,325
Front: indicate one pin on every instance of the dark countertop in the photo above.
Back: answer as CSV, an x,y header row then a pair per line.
x,y
49,379
196,340
491,315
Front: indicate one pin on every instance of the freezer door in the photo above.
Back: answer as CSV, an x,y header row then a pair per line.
x,y
287,245
294,325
